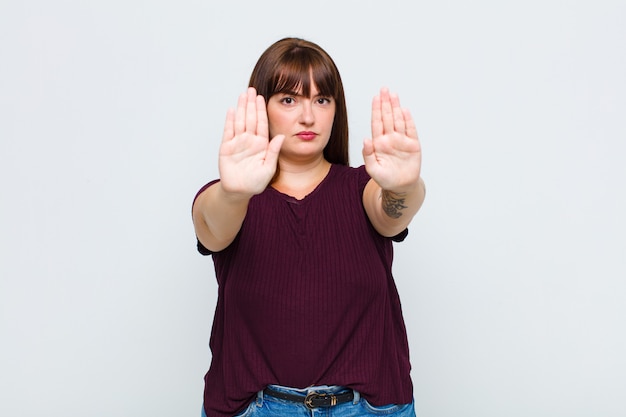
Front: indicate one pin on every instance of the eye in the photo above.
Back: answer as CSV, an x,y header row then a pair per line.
x,y
324,100
287,100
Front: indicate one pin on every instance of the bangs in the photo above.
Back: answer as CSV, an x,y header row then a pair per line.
x,y
295,74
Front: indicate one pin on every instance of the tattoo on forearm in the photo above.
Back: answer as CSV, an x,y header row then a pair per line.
x,y
393,203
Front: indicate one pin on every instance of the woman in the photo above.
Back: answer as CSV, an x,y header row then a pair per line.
x,y
308,317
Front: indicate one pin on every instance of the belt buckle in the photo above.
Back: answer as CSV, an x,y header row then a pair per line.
x,y
308,400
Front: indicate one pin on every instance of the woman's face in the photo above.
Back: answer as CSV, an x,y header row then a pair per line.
x,y
306,122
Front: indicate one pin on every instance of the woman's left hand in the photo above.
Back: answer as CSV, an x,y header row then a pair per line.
x,y
393,157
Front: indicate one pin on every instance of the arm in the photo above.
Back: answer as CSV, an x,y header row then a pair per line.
x,y
218,216
247,163
393,159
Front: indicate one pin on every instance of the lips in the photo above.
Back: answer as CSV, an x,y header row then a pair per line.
x,y
307,135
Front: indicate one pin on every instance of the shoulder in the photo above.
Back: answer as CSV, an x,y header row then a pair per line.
x,y
353,176
338,169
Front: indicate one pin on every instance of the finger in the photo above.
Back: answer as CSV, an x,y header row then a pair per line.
x,y
411,130
240,115
377,121
273,149
398,116
229,126
368,148
386,111
369,156
251,111
262,128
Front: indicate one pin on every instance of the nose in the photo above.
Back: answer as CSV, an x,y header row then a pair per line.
x,y
306,115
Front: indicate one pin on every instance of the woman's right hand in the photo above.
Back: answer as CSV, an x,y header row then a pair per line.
x,y
247,157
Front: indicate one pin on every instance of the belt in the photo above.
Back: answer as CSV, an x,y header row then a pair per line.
x,y
312,399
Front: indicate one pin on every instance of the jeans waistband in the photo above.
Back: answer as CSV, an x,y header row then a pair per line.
x,y
324,389
319,389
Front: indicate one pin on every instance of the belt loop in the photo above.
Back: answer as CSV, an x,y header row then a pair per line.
x,y
259,399
357,397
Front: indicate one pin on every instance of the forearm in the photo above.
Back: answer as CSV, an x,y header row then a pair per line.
x,y
391,211
218,216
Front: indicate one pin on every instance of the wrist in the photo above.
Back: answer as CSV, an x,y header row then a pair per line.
x,y
232,196
404,190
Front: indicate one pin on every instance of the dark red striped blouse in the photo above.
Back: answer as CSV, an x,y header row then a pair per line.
x,y
306,297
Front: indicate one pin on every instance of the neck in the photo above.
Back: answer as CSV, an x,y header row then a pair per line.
x,y
299,180
308,167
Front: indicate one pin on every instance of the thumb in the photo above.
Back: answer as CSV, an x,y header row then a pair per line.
x,y
368,151
273,149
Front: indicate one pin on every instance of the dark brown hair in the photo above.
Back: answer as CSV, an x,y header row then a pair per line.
x,y
289,65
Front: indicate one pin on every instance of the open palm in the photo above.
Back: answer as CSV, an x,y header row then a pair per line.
x,y
393,155
247,157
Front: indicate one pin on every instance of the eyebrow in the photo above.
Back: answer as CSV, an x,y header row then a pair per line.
x,y
294,93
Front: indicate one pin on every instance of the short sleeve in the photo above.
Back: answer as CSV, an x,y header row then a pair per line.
x,y
400,236
203,251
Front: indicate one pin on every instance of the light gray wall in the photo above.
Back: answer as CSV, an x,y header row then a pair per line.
x,y
513,275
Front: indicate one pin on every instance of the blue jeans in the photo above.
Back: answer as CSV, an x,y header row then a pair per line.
x,y
266,406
